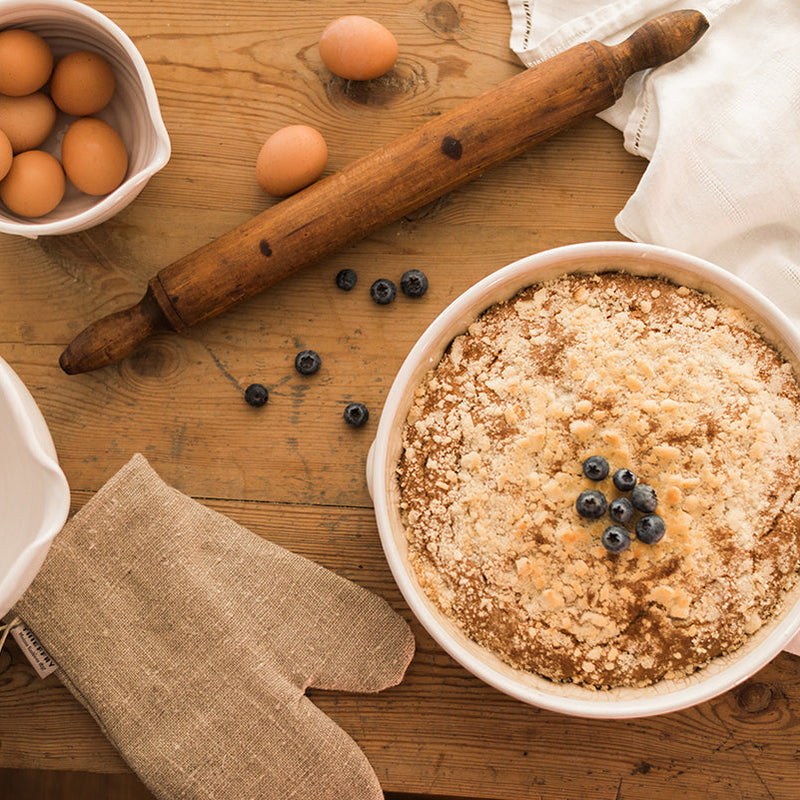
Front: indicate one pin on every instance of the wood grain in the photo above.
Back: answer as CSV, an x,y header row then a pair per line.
x,y
228,74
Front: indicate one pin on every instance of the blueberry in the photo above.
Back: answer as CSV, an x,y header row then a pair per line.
x,y
346,279
616,539
256,394
383,291
307,362
644,498
650,529
595,468
355,414
591,504
624,480
414,283
621,510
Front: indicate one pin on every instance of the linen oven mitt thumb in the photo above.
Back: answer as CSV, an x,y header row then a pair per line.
x,y
192,641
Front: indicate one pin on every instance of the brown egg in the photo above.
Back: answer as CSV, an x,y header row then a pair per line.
x,y
27,120
34,185
26,62
290,159
94,156
6,155
357,48
82,83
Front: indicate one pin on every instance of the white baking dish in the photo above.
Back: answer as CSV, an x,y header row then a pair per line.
x,y
667,695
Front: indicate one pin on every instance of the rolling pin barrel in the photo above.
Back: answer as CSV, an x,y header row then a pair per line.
x,y
405,174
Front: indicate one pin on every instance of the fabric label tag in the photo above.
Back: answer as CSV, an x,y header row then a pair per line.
x,y
35,653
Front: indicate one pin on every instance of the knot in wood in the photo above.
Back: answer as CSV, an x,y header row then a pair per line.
x,y
755,697
452,147
383,91
156,359
443,17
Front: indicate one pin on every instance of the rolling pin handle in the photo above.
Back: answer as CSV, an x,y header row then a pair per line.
x,y
115,336
656,42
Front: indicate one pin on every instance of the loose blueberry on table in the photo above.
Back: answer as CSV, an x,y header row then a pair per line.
x,y
383,291
356,414
307,362
414,283
256,394
346,279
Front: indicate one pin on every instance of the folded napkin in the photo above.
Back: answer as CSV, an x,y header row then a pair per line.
x,y
718,124
192,641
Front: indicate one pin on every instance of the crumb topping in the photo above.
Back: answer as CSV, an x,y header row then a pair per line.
x,y
657,378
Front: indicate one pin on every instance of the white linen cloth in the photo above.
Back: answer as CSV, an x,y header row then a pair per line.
x,y
720,126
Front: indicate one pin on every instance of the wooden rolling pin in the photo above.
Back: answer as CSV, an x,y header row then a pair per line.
x,y
405,174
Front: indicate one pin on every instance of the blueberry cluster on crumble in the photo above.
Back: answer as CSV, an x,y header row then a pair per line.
x,y
649,527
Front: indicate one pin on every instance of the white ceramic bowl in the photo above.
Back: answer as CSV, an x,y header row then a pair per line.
x,y
133,111
34,495
667,695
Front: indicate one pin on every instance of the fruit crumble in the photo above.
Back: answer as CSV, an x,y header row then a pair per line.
x,y
687,405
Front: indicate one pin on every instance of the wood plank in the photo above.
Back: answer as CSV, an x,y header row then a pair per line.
x,y
62,785
65,785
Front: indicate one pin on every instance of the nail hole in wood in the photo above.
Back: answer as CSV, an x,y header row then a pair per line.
x,y
451,147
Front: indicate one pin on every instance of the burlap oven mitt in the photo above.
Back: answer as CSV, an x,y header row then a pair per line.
x,y
192,641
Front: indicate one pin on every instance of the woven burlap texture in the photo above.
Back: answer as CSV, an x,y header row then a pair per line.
x,y
192,641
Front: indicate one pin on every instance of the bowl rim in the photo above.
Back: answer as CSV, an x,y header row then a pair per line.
x,y
127,191
56,497
519,274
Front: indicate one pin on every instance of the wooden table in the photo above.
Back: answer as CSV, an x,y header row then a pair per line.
x,y
228,74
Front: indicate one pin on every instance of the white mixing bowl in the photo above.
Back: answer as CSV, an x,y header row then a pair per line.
x,y
133,112
34,495
667,695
